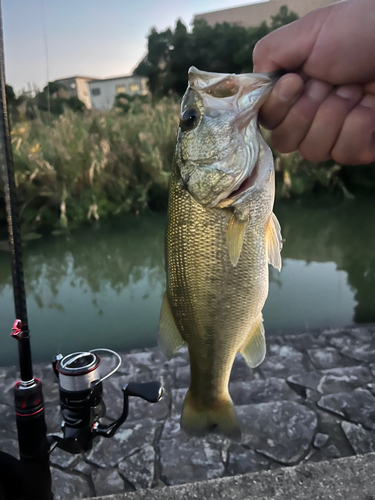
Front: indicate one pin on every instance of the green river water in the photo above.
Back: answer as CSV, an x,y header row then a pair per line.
x,y
102,287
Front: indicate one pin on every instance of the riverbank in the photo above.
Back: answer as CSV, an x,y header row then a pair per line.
x,y
312,399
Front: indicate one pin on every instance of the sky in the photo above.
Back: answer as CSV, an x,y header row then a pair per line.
x,y
96,38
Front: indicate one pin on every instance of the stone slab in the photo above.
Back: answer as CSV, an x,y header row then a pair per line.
x,y
130,438
282,430
65,485
324,358
107,481
358,406
282,361
185,459
261,391
361,440
139,469
333,380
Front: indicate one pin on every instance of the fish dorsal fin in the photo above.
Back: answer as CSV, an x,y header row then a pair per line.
x,y
254,349
169,338
235,236
274,242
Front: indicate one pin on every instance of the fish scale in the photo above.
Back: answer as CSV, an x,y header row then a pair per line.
x,y
203,286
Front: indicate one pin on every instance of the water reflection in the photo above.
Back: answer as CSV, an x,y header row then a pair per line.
x,y
96,287
104,287
343,234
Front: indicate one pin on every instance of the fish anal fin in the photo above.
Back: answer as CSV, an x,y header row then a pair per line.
x,y
169,338
235,236
254,349
220,416
274,242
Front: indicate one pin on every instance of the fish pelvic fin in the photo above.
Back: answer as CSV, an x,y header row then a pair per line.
x,y
274,242
254,349
220,416
235,236
169,338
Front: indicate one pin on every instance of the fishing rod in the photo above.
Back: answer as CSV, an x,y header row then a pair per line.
x,y
79,374
28,394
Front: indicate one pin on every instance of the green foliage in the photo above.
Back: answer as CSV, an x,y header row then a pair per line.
x,y
283,17
12,103
296,176
54,99
125,102
10,95
91,165
224,48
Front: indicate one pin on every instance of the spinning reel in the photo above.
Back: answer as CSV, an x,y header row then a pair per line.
x,y
81,399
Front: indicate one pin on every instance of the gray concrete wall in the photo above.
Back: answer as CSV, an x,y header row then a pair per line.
x,y
255,14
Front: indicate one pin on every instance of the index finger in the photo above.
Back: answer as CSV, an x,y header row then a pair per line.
x,y
289,46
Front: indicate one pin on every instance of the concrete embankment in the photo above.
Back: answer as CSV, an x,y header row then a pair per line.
x,y
310,401
341,479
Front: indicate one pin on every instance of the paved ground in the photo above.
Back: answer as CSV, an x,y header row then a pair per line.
x,y
341,479
312,399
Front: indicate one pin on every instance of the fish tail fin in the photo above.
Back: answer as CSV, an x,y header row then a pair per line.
x,y
220,416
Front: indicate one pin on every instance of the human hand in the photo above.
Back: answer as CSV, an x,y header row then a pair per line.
x,y
325,107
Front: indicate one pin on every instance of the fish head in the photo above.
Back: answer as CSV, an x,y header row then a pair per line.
x,y
217,143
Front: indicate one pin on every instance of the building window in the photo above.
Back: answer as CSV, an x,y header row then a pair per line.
x,y
96,91
134,87
121,89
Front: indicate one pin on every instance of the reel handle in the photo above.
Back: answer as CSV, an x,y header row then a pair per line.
x,y
149,391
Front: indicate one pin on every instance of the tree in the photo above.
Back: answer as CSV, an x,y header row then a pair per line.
x,y
283,17
12,103
54,98
223,48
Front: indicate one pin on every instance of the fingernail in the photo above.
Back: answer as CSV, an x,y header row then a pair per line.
x,y
368,101
348,92
317,90
289,89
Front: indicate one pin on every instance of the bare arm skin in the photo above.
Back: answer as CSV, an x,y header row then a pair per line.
x,y
325,106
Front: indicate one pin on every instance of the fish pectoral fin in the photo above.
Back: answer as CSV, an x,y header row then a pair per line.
x,y
274,242
254,349
169,338
235,236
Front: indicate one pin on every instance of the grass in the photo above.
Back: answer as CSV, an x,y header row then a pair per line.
x,y
92,165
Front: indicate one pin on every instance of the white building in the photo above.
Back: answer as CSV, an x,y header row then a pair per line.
x,y
103,92
77,86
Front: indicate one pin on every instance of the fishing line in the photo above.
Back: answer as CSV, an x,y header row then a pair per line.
x,y
58,339
44,29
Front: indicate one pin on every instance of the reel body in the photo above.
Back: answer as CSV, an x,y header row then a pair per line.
x,y
81,399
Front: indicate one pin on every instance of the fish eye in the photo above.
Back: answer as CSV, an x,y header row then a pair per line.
x,y
189,119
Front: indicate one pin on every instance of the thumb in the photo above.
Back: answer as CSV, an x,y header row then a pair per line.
x,y
289,46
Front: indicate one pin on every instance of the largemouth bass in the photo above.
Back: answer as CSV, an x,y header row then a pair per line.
x,y
221,236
